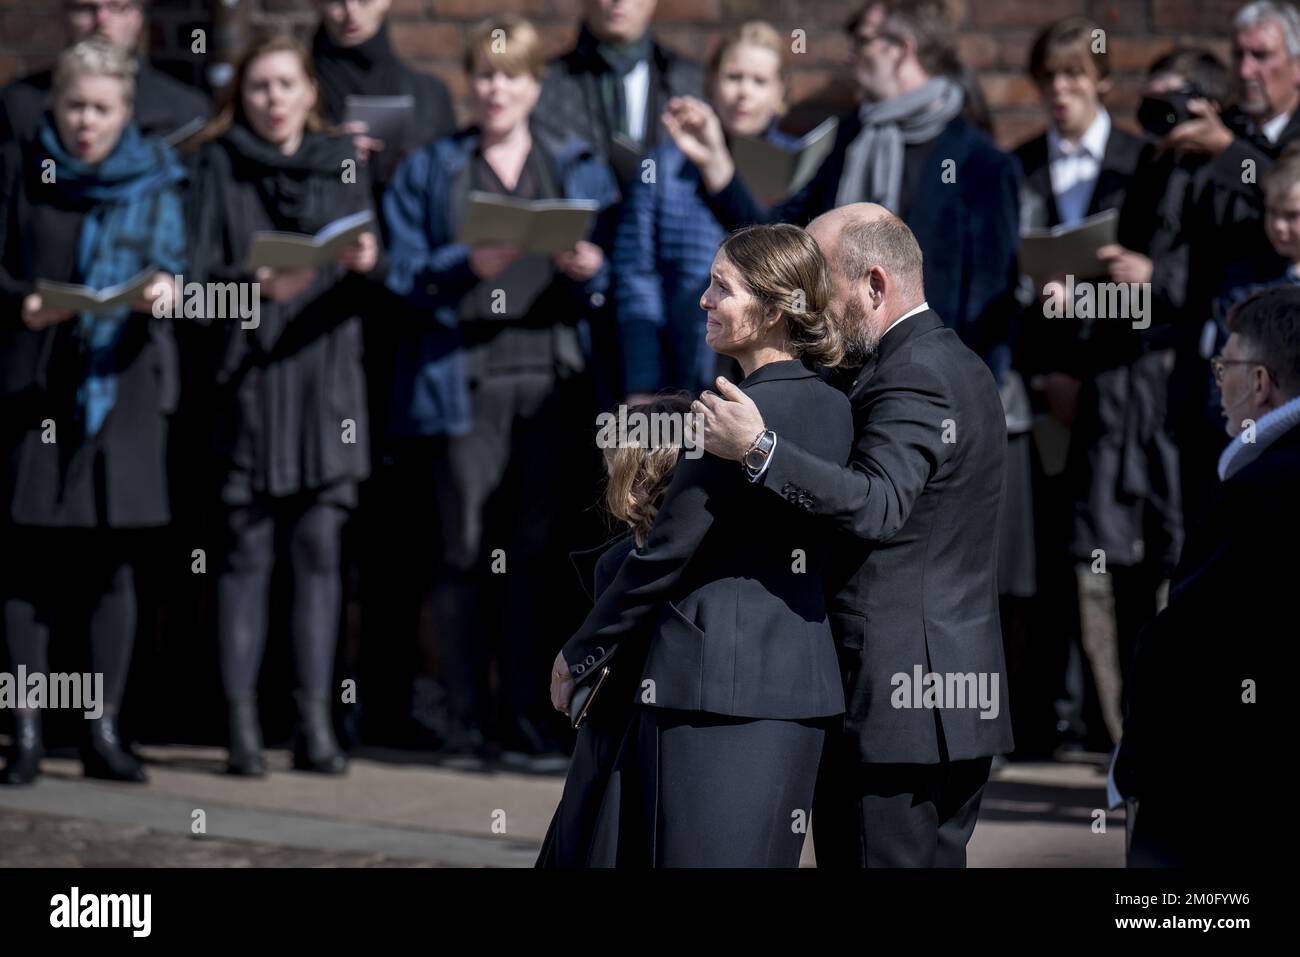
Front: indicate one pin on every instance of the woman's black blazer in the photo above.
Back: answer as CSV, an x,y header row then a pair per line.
x,y
730,581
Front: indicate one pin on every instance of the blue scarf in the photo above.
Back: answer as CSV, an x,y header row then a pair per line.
x,y
133,220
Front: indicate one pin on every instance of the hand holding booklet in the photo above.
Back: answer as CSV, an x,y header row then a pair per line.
x,y
276,250
534,225
774,172
1068,250
386,117
76,298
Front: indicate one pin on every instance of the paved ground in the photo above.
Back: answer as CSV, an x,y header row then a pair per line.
x,y
395,809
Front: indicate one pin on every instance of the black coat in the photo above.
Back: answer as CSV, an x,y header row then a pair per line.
x,y
162,104
730,580
916,573
571,103
584,830
285,388
1230,604
54,484
373,69
967,230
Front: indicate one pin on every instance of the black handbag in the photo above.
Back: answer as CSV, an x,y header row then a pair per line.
x,y
585,694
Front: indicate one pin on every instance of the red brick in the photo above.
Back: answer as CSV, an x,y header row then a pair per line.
x,y
428,41
1207,16
1126,16
1134,55
1009,89
978,50
1018,13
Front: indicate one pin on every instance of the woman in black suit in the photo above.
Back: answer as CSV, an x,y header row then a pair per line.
x,y
740,680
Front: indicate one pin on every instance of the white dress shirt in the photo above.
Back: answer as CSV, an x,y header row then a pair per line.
x,y
1274,127
1074,167
636,90
907,315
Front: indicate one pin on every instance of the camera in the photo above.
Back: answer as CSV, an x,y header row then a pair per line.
x,y
1160,114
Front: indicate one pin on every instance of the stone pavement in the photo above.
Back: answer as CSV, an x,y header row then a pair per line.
x,y
395,808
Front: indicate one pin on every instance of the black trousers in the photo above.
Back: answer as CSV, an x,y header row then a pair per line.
x,y
73,580
896,815
503,582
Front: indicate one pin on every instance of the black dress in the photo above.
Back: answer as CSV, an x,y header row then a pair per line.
x,y
286,389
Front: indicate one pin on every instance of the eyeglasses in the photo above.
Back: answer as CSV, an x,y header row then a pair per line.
x,y
88,11
1219,365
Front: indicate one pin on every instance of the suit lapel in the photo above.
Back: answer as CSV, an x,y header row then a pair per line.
x,y
1116,171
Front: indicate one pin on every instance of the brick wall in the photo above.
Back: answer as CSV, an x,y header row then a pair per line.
x,y
994,37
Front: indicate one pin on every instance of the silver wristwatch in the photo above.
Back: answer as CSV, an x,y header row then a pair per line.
x,y
755,459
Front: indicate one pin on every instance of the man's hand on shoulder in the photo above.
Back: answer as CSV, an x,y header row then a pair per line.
x,y
730,421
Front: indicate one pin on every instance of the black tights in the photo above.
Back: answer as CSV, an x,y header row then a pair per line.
x,y
74,579
312,531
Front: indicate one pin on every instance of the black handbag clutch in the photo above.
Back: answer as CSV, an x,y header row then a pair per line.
x,y
584,696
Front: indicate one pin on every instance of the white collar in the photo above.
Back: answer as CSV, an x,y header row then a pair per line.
x,y
1272,425
1274,127
907,315
1093,141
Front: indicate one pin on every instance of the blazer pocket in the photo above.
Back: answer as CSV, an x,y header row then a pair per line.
x,y
674,662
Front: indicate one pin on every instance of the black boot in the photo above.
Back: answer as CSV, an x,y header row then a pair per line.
x,y
314,746
24,764
105,757
246,757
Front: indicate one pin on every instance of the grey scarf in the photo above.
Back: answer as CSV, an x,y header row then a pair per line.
x,y
887,127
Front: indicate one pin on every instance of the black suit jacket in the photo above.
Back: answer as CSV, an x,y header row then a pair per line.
x,y
1071,345
916,573
729,582
1038,202
571,104
967,229
162,104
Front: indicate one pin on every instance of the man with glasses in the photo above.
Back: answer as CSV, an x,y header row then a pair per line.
x,y
1193,756
163,106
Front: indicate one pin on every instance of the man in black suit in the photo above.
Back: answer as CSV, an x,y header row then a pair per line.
x,y
916,591
1198,665
909,148
163,106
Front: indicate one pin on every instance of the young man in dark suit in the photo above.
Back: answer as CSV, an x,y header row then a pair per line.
x,y
162,105
915,582
615,82
1080,166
